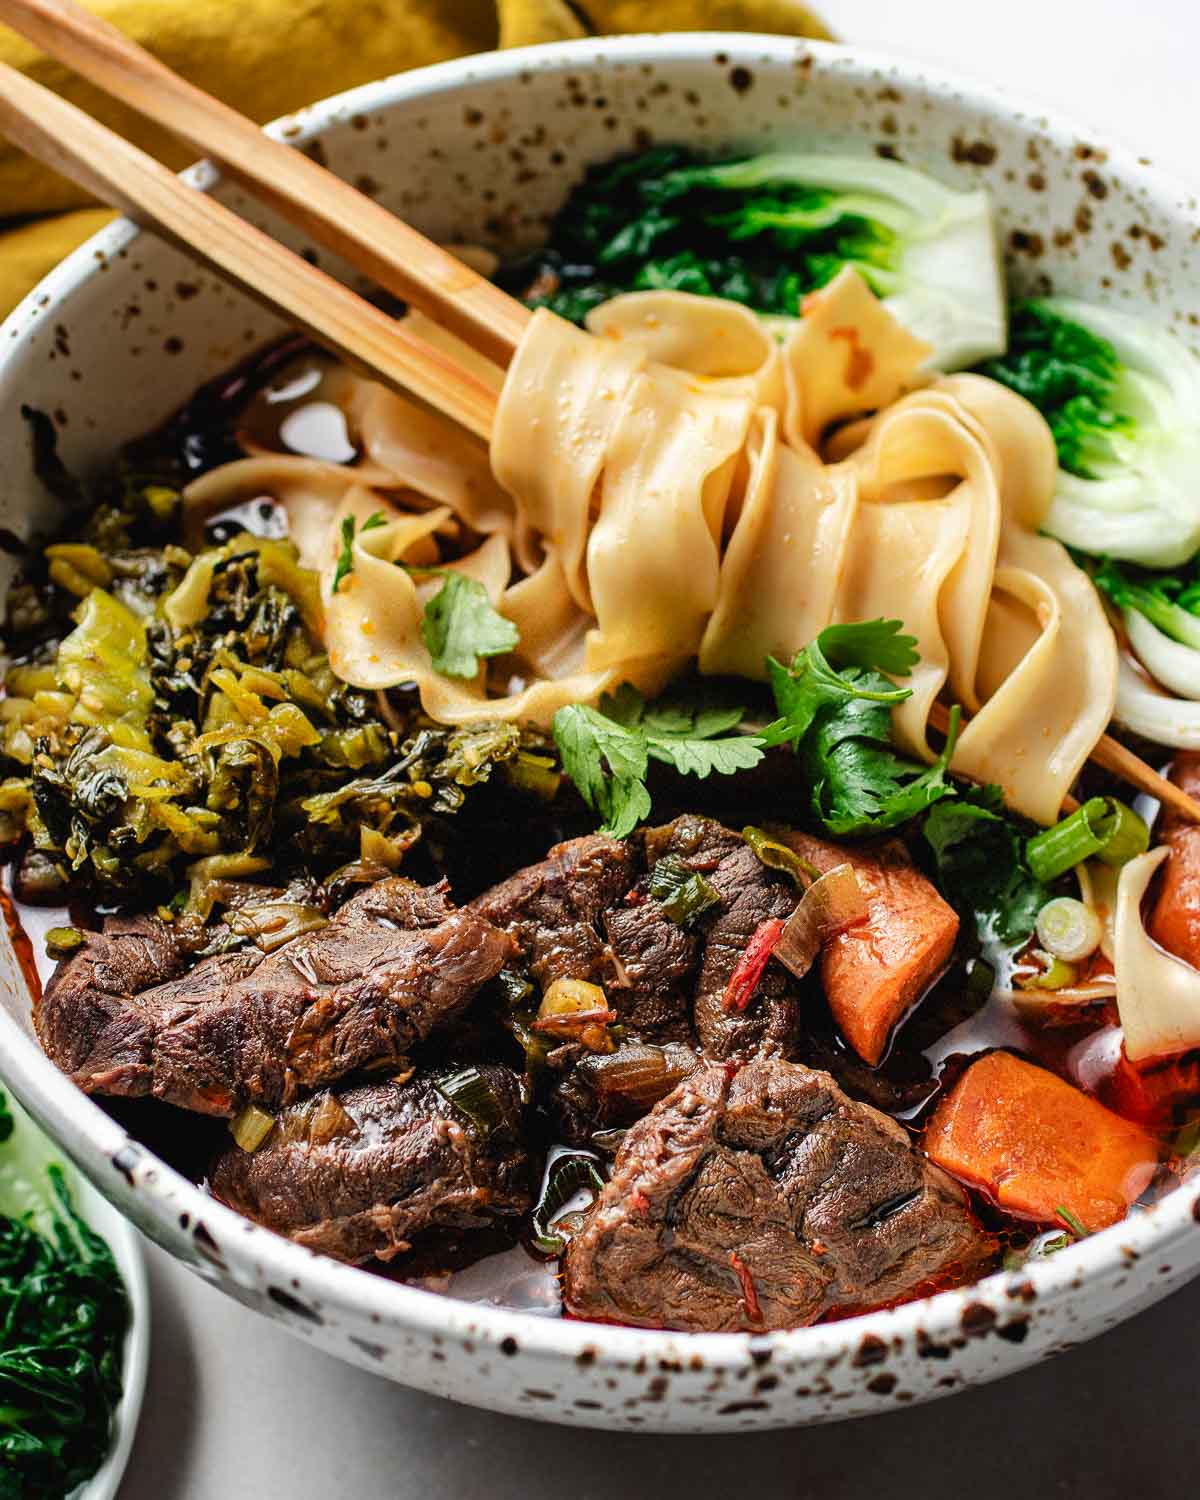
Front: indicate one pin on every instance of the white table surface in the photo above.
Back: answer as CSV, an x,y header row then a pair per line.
x,y
239,1410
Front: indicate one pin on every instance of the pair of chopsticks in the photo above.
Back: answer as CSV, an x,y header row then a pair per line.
x,y
328,210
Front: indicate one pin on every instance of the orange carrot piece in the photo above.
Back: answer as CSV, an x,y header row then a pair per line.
x,y
1035,1144
876,971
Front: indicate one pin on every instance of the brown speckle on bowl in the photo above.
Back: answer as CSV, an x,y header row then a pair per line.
x,y
974,153
882,1385
871,1351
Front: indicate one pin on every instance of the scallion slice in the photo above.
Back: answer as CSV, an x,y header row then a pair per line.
x,y
566,1173
777,856
251,1126
829,906
682,893
470,1092
1102,827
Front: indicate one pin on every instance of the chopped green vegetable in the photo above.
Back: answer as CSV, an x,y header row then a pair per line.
x,y
606,751
63,941
1103,827
251,1127
777,856
567,1173
981,864
835,709
460,626
345,562
1121,398
1072,1223
682,893
766,230
63,1316
470,1091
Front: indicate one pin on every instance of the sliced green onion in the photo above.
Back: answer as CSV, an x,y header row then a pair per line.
x,y
1072,1223
566,1173
251,1127
682,893
1056,975
777,856
470,1092
61,942
1102,827
516,985
1068,929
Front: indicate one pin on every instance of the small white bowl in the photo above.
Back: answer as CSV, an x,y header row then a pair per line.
x,y
38,1152
485,148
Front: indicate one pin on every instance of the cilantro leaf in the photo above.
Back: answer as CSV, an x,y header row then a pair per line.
x,y
460,626
981,865
607,762
843,663
835,710
858,783
345,562
606,751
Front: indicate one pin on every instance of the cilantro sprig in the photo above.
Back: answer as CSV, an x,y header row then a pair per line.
x,y
349,529
607,751
835,709
980,856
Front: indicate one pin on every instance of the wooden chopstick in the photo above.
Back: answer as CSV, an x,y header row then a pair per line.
x,y
1112,756
336,215
74,144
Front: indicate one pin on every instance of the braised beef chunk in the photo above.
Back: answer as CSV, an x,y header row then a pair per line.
x,y
396,962
84,1019
750,895
584,913
359,1172
764,1198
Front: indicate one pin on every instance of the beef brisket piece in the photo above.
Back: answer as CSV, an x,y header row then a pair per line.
x,y
751,894
583,913
358,1172
395,962
765,1198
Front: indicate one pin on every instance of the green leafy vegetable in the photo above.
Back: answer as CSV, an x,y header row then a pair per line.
x,y
766,230
345,562
63,1316
1121,398
606,751
835,709
981,864
473,1094
460,626
1170,601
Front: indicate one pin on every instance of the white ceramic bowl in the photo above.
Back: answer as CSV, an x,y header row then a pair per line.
x,y
121,333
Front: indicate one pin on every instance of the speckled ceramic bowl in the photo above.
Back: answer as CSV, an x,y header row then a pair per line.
x,y
126,329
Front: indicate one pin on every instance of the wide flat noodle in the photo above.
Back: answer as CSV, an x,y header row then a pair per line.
x,y
653,556
785,560
562,401
1048,711
847,355
721,342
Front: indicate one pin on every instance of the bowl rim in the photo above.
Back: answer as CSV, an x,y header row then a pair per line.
x,y
93,1139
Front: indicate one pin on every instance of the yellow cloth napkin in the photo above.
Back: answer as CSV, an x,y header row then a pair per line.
x,y
268,57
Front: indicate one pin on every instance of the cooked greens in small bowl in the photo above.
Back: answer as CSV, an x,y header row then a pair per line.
x,y
73,1321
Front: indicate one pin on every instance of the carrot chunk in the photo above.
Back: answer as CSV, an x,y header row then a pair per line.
x,y
876,971
1036,1144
